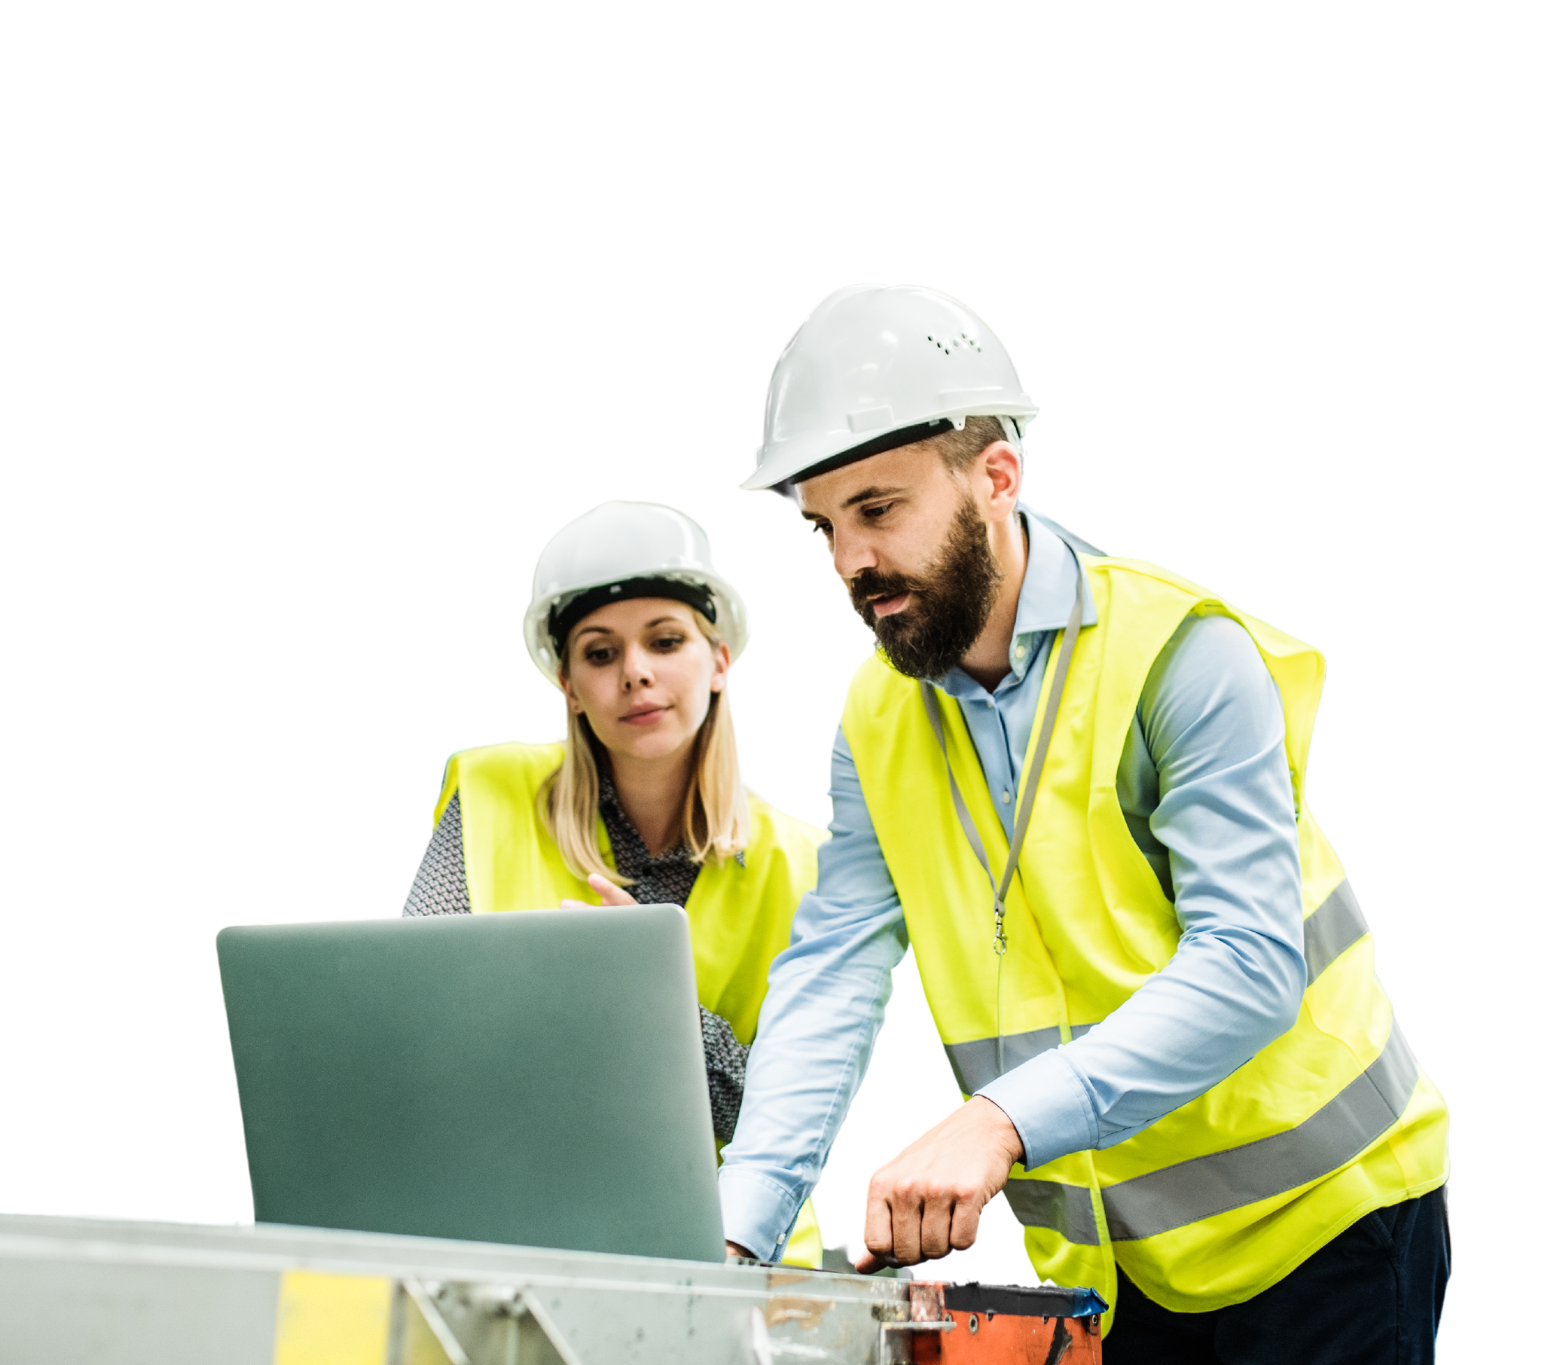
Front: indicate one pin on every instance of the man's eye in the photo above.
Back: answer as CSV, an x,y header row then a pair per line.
x,y
874,512
822,528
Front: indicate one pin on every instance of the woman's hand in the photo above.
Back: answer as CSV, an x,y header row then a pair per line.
x,y
609,892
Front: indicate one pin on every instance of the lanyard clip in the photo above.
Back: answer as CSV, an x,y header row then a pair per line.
x,y
1000,930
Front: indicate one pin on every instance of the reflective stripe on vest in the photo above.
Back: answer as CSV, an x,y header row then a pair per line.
x,y
1327,933
1208,1185
975,1064
1332,929
1067,1209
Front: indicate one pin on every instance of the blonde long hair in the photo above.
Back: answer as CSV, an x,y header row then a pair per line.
x,y
715,815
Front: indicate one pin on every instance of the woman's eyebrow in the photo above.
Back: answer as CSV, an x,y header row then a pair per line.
x,y
660,620
595,630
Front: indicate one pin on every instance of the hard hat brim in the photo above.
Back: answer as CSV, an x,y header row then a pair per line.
x,y
793,463
729,623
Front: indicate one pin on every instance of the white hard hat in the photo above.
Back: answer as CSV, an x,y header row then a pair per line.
x,y
619,551
878,366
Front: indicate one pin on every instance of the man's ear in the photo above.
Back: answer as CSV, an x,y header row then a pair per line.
x,y
1000,469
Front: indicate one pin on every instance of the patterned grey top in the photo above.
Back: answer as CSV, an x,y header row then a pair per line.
x,y
440,889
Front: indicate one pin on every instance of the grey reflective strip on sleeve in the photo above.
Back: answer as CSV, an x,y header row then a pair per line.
x,y
975,1063
1325,1141
1332,929
1067,1209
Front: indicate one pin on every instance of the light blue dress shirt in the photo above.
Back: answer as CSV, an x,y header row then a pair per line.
x,y
1204,785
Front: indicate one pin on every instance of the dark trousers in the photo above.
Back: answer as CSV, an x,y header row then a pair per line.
x,y
1372,1296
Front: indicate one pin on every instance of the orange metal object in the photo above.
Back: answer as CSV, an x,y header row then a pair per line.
x,y
958,1335
1009,1340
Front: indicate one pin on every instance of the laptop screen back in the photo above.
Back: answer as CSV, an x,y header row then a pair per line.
x,y
532,1078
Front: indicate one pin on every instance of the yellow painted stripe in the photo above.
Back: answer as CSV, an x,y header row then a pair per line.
x,y
332,1319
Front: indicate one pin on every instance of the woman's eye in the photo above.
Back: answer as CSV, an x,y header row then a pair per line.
x,y
822,528
598,656
667,643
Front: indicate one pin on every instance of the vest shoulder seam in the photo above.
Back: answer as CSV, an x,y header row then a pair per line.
x,y
509,744
1145,569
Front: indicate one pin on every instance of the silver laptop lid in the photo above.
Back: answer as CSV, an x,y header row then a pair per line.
x,y
532,1078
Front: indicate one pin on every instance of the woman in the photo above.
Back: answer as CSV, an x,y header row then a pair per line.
x,y
643,801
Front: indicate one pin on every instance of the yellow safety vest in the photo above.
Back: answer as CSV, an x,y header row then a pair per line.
x,y
1222,1197
740,916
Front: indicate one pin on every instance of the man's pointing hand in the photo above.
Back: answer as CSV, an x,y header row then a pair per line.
x,y
927,1199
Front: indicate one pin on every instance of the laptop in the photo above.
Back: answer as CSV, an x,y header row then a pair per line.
x,y
532,1078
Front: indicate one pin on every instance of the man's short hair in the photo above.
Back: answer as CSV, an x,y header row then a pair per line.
x,y
959,449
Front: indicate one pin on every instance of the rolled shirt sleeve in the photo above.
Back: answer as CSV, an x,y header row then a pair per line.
x,y
1210,716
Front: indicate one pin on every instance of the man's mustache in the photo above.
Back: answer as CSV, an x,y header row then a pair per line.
x,y
871,583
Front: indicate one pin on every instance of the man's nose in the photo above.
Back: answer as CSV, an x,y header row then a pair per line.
x,y
851,554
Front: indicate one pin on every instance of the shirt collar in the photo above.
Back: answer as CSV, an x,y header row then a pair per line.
x,y
1048,594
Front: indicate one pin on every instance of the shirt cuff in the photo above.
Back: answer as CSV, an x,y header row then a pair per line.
x,y
1048,1106
757,1213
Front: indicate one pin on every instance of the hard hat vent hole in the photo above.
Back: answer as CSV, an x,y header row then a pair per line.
x,y
962,339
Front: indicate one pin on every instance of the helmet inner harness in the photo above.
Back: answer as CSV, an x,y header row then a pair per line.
x,y
565,616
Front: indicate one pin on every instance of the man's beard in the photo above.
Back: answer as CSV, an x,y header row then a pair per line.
x,y
951,604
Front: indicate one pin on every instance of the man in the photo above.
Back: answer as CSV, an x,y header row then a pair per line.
x,y
1182,1070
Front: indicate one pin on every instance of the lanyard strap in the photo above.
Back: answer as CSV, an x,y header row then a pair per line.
x,y
1030,788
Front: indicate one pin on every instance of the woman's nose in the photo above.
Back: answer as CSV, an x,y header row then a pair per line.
x,y
636,671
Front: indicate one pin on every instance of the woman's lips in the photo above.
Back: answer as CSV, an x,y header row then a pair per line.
x,y
889,606
647,717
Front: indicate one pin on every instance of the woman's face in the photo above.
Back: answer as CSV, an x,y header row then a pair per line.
x,y
642,673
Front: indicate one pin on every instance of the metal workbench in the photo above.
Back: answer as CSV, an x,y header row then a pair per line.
x,y
77,1290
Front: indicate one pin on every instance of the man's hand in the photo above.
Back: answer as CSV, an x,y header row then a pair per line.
x,y
608,891
927,1199
736,1249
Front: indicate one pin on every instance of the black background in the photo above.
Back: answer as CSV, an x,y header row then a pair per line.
x,y
298,587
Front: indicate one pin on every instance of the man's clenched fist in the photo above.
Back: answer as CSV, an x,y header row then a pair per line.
x,y
927,1199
